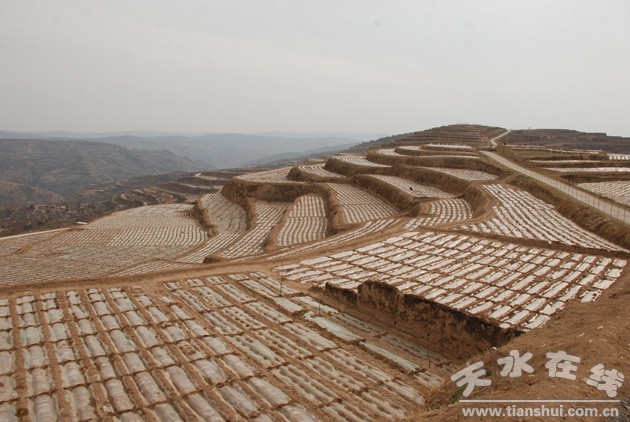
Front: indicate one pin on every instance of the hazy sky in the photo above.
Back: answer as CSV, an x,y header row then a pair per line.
x,y
314,66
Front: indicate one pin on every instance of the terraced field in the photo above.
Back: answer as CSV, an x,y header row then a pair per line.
x,y
449,146
358,160
273,310
389,151
156,266
306,221
465,174
516,286
153,225
413,188
268,214
590,169
546,163
521,215
617,190
217,243
443,211
359,206
224,214
77,263
13,244
271,176
234,347
367,229
106,246
318,170
618,156
432,152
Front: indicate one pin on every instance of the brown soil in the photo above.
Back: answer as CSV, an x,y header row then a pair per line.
x,y
597,332
349,169
201,215
452,333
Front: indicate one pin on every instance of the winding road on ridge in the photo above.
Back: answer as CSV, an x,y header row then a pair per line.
x,y
607,207
493,141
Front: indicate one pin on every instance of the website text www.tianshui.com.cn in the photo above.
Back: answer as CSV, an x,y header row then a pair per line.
x,y
540,410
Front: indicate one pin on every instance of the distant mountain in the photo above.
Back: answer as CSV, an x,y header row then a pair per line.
x,y
7,134
219,151
16,194
222,151
291,157
91,135
4,134
52,167
361,137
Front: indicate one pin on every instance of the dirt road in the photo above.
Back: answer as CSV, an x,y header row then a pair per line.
x,y
607,207
493,141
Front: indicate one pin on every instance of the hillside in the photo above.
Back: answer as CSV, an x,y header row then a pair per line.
x,y
62,167
16,194
218,150
453,133
569,139
229,150
361,287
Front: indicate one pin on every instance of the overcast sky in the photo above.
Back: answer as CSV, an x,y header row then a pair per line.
x,y
314,66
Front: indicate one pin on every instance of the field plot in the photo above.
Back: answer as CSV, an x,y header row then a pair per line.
x,y
268,214
516,286
358,160
389,151
552,162
465,174
590,169
617,190
443,211
522,215
417,149
218,242
229,348
230,220
77,263
107,246
538,148
366,229
191,234
271,176
12,244
319,170
359,206
618,156
165,214
449,146
225,214
306,221
154,266
143,226
413,188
